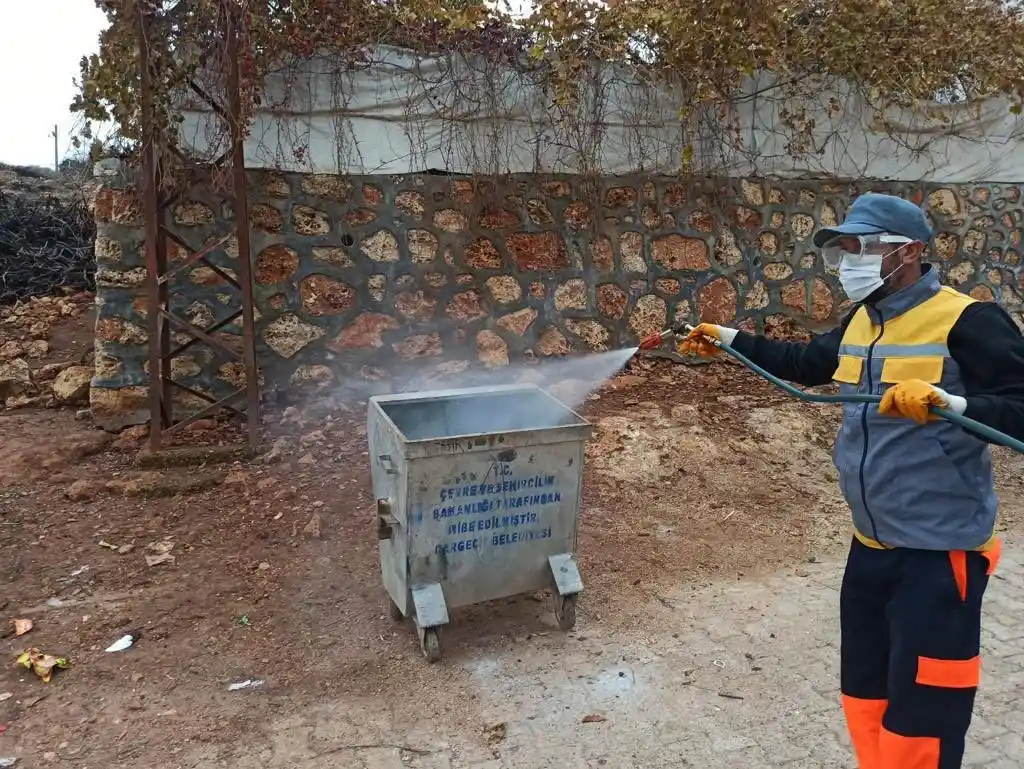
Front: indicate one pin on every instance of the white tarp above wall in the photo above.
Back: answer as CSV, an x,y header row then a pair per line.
x,y
403,114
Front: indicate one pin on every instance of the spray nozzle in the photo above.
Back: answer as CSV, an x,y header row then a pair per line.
x,y
654,341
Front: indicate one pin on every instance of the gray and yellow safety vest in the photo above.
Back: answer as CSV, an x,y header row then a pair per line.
x,y
928,487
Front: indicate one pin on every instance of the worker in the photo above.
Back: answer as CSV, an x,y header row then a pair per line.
x,y
920,488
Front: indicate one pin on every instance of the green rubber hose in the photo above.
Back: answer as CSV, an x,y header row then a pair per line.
x,y
976,427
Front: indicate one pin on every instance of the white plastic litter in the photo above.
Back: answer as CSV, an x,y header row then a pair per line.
x,y
247,684
122,643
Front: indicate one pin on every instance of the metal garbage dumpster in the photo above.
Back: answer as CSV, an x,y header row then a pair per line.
x,y
478,498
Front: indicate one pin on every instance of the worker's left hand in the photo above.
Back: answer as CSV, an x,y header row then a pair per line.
x,y
913,399
701,340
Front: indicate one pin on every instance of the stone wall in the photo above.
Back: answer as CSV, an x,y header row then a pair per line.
x,y
357,278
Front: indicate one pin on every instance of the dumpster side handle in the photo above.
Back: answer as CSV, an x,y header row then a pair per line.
x,y
386,521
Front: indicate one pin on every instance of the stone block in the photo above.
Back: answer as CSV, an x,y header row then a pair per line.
x,y
360,217
376,286
466,307
557,189
945,202
669,286
777,271
422,246
271,184
416,305
518,322
631,252
192,213
482,254
338,257
115,409
288,334
419,346
578,215
265,218
322,295
649,316
496,218
538,251
328,186
611,300
381,246
366,331
674,252
504,289
451,220
946,245
539,213
310,221
602,254
756,297
716,302
593,334
275,264
411,203
552,342
571,295
620,197
108,250
115,206
491,349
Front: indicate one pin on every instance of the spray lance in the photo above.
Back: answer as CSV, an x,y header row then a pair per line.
x,y
655,340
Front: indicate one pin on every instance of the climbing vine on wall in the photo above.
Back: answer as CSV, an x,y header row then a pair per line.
x,y
891,53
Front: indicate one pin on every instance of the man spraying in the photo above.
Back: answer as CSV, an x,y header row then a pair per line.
x,y
920,488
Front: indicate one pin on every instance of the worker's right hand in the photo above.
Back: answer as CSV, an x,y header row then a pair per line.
x,y
699,341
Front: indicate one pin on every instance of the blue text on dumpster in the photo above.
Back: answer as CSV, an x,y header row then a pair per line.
x,y
495,512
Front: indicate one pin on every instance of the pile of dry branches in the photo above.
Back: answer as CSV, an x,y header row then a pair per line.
x,y
46,243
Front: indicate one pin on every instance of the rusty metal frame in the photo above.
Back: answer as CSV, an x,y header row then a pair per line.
x,y
156,204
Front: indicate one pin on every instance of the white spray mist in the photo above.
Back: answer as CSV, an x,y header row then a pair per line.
x,y
570,379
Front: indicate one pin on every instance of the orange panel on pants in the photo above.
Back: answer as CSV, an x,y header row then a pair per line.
x,y
911,635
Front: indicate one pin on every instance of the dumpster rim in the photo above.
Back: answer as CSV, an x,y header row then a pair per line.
x,y
425,395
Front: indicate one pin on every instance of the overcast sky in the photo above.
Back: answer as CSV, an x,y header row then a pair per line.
x,y
41,43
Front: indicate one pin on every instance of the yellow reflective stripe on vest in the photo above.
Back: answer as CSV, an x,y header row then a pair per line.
x,y
865,540
913,345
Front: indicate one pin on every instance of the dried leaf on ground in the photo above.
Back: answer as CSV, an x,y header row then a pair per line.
x,y
41,664
156,560
312,528
496,733
22,626
594,718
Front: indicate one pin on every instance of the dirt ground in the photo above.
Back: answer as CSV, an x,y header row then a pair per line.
x,y
267,569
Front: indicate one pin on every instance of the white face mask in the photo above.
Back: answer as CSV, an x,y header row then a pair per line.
x,y
861,274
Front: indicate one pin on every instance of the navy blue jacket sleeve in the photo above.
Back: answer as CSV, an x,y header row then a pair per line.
x,y
806,363
989,348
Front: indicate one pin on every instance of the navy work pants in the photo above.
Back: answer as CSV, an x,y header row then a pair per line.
x,y
911,634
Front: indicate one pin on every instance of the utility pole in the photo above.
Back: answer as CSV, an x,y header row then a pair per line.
x,y
56,162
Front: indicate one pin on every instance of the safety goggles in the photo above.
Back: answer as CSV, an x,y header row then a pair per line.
x,y
860,246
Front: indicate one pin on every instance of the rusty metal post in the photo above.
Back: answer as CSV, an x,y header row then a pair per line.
x,y
161,317
156,251
242,222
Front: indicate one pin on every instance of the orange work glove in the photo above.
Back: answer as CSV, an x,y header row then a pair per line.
x,y
696,342
913,399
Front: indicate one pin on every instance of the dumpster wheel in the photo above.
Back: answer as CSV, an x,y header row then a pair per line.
x,y
431,644
565,611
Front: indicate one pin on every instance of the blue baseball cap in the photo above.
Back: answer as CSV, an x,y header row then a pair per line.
x,y
874,213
